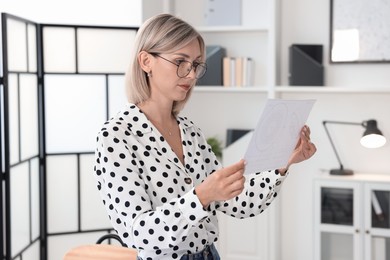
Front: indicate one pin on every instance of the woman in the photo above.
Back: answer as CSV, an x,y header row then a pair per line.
x,y
160,182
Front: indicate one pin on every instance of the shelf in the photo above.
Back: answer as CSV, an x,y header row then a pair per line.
x,y
338,229
220,89
293,89
204,29
329,89
360,177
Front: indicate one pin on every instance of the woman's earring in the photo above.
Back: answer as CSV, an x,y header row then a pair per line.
x,y
149,74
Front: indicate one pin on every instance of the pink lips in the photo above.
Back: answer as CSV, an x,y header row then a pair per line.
x,y
185,87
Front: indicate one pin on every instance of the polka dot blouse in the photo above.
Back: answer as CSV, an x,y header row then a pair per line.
x,y
150,195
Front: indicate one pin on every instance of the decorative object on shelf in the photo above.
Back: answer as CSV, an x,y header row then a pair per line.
x,y
216,146
305,65
214,57
355,37
223,12
372,138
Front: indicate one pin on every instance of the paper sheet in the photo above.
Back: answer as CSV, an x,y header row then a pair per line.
x,y
276,134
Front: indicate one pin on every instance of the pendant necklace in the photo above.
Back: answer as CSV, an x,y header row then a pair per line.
x,y
157,124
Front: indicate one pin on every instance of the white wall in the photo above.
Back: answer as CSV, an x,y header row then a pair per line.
x,y
308,22
81,12
75,12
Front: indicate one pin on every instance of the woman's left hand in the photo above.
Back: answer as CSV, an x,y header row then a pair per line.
x,y
303,150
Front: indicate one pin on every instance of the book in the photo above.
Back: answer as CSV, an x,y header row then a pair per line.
x,y
232,71
226,71
248,66
239,73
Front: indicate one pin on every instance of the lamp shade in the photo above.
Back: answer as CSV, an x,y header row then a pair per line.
x,y
372,137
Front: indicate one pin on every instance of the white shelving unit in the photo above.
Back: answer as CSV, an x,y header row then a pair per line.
x,y
254,38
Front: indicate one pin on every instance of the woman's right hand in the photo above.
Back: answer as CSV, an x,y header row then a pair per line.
x,y
223,184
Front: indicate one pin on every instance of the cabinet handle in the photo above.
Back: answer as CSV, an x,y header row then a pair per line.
x,y
357,230
367,231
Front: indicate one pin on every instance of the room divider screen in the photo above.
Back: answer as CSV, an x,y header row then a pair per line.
x,y
59,84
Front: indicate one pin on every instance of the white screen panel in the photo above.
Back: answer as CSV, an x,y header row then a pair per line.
x,y
116,94
32,47
59,245
34,170
20,216
93,213
13,103
59,49
75,108
62,193
17,45
28,115
33,252
104,50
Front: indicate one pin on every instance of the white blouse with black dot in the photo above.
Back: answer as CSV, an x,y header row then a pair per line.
x,y
150,196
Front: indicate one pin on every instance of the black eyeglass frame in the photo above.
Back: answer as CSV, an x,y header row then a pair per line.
x,y
194,66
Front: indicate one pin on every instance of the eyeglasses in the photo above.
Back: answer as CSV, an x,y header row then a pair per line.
x,y
184,67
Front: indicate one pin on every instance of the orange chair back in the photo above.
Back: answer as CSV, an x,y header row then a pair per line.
x,y
101,252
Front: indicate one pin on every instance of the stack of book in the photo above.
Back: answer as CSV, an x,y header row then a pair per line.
x,y
237,71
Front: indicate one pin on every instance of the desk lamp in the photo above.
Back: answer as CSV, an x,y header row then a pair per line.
x,y
372,138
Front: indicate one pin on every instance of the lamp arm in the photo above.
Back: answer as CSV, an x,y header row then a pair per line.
x,y
330,138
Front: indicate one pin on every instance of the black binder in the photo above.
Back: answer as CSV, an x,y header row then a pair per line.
x,y
305,65
214,57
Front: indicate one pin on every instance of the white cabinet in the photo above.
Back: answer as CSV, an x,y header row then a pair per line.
x,y
352,217
254,38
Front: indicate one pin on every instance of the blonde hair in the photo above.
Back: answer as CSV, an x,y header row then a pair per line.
x,y
163,33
